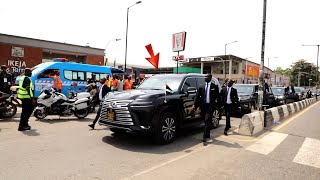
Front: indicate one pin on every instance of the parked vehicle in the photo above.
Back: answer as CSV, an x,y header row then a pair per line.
x,y
315,92
51,102
154,109
7,108
280,95
248,97
301,92
71,74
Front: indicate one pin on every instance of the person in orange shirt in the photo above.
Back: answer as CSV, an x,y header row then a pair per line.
x,y
127,84
108,81
57,83
115,83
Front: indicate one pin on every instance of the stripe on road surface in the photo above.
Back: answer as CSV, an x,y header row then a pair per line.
x,y
268,143
309,153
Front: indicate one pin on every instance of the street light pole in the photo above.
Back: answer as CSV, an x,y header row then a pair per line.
x,y
245,72
125,57
225,58
105,49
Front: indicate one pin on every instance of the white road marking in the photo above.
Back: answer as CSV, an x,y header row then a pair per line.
x,y
268,143
309,153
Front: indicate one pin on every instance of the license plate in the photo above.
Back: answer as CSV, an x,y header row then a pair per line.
x,y
110,115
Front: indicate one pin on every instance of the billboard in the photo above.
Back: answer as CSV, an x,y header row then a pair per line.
x,y
252,71
178,41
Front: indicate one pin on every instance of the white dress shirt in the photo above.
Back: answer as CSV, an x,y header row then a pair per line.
x,y
228,95
207,89
100,92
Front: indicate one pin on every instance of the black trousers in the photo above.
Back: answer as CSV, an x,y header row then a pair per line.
x,y
207,112
27,110
228,110
98,115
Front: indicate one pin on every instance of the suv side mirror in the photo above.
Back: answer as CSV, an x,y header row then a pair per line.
x,y
191,90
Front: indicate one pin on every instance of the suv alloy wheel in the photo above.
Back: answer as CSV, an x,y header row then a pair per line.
x,y
164,130
215,119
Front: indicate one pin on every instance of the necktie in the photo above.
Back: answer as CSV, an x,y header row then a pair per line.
x,y
205,93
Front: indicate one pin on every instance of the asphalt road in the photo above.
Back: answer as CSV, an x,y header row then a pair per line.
x,y
68,149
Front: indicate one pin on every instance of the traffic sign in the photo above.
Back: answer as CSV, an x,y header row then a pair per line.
x,y
175,58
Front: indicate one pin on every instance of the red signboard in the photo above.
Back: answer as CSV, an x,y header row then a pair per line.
x,y
175,58
252,71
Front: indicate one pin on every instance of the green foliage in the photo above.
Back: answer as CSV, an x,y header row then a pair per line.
x,y
307,71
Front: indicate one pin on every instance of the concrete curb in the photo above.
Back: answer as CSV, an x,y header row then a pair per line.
x,y
255,122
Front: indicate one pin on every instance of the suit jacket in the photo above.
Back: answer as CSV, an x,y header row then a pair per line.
x,y
105,91
214,96
233,96
292,89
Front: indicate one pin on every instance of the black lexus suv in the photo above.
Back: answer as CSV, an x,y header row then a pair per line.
x,y
162,104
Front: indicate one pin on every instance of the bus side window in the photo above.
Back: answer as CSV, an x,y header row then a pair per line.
x,y
81,76
74,75
68,74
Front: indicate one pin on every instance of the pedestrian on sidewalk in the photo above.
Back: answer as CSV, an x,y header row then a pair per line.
x,y
208,100
103,91
230,101
25,94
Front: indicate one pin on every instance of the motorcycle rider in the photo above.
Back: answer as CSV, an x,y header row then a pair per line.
x,y
25,93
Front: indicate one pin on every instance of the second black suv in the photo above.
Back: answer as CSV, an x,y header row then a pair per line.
x,y
161,104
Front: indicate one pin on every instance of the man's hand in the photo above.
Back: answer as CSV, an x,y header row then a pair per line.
x,y
34,102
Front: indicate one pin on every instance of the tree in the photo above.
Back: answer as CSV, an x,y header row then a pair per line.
x,y
306,70
286,71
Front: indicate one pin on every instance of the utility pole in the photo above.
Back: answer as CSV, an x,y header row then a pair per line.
x,y
261,79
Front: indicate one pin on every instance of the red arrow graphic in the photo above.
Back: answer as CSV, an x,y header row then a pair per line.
x,y
154,60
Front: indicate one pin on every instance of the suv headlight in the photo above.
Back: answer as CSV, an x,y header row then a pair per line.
x,y
279,97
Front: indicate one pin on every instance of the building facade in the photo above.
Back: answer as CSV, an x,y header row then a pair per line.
x,y
239,69
19,53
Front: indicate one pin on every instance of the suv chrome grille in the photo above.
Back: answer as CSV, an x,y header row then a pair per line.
x,y
120,107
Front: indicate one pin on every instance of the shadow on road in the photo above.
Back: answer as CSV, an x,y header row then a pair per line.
x,y
143,142
226,144
62,119
32,132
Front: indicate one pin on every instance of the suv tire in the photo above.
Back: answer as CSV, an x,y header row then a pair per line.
x,y
164,130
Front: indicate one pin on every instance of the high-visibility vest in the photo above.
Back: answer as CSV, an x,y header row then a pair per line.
x,y
23,92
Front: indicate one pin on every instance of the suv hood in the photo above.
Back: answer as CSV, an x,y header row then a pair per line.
x,y
134,94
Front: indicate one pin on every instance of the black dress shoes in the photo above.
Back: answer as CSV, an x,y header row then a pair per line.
x,y
225,133
91,125
24,128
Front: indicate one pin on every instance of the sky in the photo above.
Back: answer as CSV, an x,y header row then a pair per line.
x,y
209,24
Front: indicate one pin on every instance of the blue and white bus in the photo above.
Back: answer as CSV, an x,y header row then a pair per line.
x,y
73,75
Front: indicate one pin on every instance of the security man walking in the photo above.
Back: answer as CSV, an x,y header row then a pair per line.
x,y
208,98
230,101
25,93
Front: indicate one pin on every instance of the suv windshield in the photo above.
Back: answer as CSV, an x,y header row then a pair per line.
x,y
277,91
160,81
243,89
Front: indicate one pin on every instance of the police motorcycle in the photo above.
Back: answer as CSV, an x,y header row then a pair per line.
x,y
7,108
73,94
51,102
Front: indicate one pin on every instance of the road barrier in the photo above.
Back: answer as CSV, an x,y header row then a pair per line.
x,y
251,124
255,122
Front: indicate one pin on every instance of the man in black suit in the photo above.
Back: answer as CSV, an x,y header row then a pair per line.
x,y
207,99
103,91
229,99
